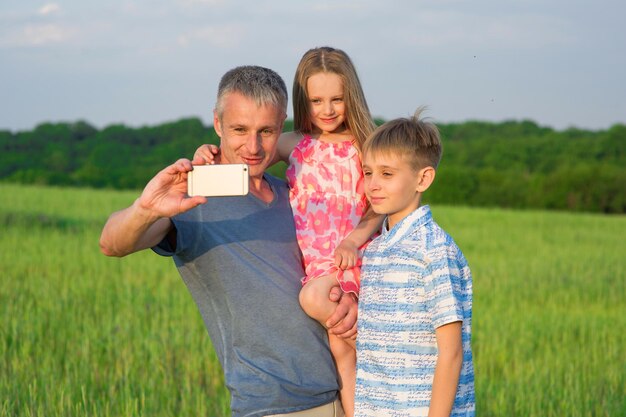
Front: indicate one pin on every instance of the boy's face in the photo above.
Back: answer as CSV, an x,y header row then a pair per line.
x,y
392,186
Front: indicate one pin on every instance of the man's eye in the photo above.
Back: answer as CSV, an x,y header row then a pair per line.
x,y
267,132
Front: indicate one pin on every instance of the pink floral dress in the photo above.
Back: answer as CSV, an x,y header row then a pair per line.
x,y
328,200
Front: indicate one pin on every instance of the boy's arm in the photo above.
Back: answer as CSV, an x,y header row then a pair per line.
x,y
447,369
346,253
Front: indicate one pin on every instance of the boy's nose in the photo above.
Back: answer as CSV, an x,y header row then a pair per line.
x,y
371,184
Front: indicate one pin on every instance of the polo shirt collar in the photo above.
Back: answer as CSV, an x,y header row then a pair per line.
x,y
406,226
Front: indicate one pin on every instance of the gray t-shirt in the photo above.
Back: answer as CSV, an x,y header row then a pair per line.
x,y
240,260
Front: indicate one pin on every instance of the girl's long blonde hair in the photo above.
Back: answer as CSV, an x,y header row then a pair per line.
x,y
326,59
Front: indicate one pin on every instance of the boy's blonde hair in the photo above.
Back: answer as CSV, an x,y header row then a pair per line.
x,y
335,61
413,138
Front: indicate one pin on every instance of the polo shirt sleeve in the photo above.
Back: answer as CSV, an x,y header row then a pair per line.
x,y
443,288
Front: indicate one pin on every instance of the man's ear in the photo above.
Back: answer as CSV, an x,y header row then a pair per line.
x,y
426,176
216,124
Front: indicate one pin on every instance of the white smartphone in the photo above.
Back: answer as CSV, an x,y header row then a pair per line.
x,y
218,180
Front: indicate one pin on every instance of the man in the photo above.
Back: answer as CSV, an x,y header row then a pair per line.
x,y
239,258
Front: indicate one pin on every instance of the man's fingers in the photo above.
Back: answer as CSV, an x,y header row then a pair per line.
x,y
350,334
191,202
335,294
344,317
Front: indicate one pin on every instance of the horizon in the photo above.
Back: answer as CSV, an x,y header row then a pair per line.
x,y
210,124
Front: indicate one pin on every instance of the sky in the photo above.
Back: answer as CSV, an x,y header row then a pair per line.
x,y
560,63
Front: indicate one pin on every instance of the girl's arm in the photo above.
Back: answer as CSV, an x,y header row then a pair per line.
x,y
346,254
447,369
287,141
210,154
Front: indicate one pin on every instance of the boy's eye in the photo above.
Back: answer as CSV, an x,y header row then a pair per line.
x,y
366,173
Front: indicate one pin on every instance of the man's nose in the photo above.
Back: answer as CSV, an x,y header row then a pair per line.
x,y
254,142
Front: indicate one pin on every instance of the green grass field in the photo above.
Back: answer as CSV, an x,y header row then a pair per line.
x,y
82,334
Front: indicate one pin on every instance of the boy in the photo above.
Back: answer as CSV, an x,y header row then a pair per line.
x,y
415,307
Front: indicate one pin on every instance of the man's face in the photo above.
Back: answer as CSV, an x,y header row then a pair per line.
x,y
248,133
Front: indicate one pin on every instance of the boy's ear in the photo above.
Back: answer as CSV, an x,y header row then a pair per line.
x,y
425,176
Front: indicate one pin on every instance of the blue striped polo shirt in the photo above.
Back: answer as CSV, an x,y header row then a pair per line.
x,y
414,280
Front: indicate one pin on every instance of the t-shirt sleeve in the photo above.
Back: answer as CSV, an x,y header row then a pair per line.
x,y
444,288
165,248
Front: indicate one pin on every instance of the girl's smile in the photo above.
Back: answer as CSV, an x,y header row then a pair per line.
x,y
326,102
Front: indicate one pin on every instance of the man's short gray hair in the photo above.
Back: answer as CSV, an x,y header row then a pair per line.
x,y
260,84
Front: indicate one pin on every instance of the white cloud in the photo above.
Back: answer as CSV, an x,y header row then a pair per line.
x,y
37,35
337,6
221,36
48,9
201,2
436,29
183,41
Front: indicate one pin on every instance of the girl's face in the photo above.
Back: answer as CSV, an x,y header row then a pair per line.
x,y
327,109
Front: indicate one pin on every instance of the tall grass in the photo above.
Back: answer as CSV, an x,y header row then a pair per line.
x,y
82,334
549,310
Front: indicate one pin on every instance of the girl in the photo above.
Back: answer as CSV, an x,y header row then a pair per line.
x,y
331,121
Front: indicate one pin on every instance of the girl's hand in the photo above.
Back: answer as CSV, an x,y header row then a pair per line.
x,y
206,154
346,255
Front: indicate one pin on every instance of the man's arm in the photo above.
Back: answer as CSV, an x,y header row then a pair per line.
x,y
147,221
447,369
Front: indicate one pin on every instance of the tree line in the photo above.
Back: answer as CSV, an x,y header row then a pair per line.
x,y
512,164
